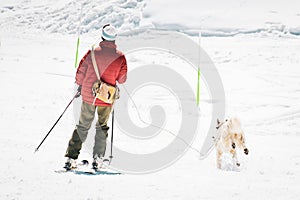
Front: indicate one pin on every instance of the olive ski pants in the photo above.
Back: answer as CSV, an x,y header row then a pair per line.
x,y
81,131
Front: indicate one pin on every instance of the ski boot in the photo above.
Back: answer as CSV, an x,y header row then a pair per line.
x,y
70,164
97,163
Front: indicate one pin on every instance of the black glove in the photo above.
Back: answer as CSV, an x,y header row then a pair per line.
x,y
78,91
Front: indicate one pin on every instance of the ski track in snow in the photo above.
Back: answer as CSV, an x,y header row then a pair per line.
x,y
260,74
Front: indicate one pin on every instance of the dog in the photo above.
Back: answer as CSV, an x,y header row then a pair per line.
x,y
230,138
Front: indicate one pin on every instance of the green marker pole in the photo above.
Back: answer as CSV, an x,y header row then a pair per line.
x,y
199,73
76,56
78,36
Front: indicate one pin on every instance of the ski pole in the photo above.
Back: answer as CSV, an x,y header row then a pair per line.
x,y
111,139
56,122
112,135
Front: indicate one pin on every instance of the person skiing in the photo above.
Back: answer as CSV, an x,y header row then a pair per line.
x,y
112,67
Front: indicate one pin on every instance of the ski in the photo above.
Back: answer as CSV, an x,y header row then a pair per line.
x,y
92,171
83,168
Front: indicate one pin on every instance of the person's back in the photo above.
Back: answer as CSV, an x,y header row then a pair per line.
x,y
111,65
112,68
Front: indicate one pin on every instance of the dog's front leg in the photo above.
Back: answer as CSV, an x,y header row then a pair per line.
x,y
242,140
246,151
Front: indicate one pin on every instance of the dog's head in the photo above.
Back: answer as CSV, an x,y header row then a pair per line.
x,y
220,123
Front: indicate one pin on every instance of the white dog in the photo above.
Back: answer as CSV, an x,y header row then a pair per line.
x,y
230,138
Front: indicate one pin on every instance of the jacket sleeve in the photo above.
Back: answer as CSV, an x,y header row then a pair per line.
x,y
82,68
123,71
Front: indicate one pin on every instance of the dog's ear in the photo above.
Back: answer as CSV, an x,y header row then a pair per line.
x,y
218,122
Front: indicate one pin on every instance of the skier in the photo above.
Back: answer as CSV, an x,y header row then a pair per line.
x,y
112,67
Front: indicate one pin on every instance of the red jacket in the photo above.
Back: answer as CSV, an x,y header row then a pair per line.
x,y
112,67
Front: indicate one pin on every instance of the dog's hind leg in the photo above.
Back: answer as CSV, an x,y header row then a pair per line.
x,y
234,156
219,161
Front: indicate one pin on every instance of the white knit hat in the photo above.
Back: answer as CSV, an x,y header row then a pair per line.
x,y
109,32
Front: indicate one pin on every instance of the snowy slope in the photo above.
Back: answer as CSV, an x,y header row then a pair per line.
x,y
270,172
260,73
213,18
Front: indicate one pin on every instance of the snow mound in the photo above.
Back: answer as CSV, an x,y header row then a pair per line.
x,y
213,18
65,16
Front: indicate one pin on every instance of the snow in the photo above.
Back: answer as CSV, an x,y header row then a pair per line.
x,y
258,63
